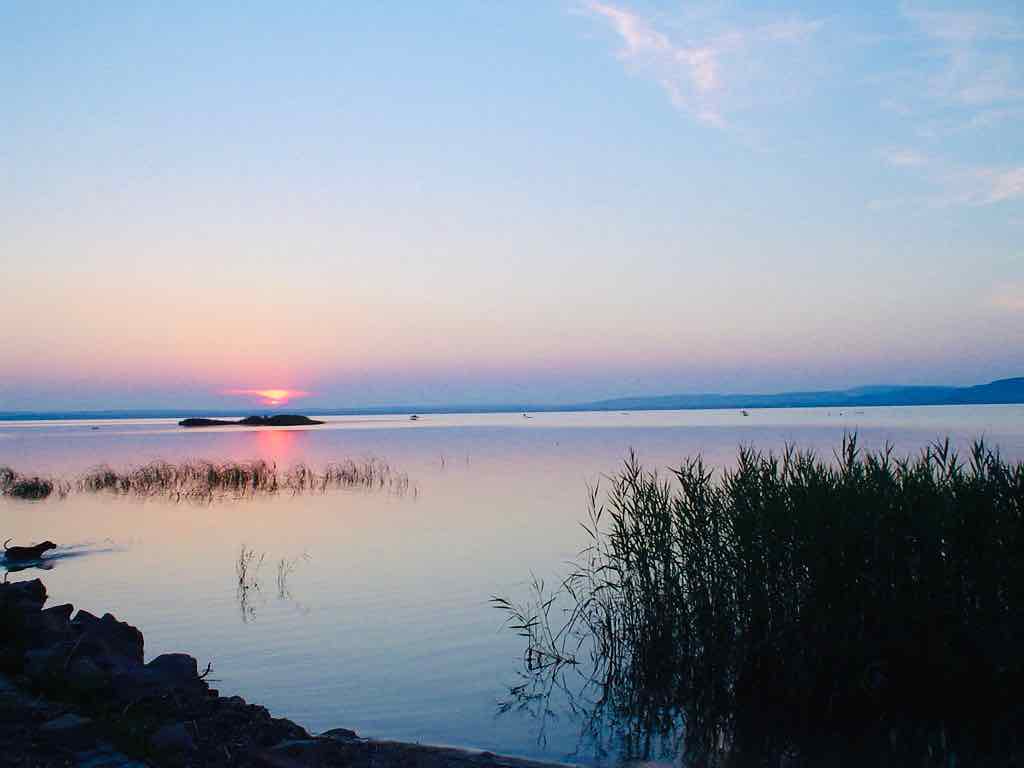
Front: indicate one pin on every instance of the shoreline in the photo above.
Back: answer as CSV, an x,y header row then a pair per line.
x,y
75,689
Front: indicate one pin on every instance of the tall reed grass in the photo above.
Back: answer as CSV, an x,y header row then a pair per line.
x,y
207,480
799,611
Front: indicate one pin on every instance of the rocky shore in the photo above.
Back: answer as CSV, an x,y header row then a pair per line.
x,y
75,690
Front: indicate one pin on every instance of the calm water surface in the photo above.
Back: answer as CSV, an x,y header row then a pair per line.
x,y
385,625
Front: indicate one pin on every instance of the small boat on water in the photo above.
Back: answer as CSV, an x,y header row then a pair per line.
x,y
414,417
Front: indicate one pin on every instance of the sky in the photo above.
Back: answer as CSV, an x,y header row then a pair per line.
x,y
478,202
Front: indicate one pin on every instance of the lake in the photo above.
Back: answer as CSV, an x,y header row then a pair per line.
x,y
383,622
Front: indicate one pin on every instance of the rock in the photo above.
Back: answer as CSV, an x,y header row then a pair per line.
x,y
174,669
49,626
26,596
291,752
112,644
173,738
105,757
45,666
341,734
84,676
68,731
168,672
60,613
64,723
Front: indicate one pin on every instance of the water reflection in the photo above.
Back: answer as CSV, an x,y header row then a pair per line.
x,y
249,592
396,642
247,569
280,446
792,611
622,723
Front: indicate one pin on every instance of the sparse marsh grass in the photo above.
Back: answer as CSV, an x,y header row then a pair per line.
x,y
207,480
247,569
795,611
31,487
285,568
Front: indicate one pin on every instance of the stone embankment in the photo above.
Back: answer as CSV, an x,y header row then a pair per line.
x,y
75,690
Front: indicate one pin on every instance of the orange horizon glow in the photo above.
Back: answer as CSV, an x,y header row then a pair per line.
x,y
269,396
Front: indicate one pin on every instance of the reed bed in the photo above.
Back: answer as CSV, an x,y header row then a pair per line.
x,y
30,487
797,611
207,480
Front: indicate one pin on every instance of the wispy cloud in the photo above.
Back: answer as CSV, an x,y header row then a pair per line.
x,y
962,26
904,158
979,55
1007,184
970,78
957,184
701,74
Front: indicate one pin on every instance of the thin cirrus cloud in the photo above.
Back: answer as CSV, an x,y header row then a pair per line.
x,y
956,183
978,54
974,83
706,75
905,158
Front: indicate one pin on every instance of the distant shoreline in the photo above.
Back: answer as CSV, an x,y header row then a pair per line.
x,y
1000,392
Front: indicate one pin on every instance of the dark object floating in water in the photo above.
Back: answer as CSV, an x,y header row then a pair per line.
x,y
26,554
280,420
414,417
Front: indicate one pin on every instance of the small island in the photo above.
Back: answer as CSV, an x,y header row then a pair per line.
x,y
279,420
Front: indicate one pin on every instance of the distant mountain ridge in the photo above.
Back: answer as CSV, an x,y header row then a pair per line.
x,y
1000,392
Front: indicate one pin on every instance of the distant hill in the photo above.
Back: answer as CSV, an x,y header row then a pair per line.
x,y
1001,391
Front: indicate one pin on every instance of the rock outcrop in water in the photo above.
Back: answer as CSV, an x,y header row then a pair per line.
x,y
279,420
75,690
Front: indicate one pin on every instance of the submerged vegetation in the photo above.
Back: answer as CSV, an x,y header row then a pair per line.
x,y
792,610
207,480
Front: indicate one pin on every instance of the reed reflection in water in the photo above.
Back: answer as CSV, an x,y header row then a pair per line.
x,y
792,611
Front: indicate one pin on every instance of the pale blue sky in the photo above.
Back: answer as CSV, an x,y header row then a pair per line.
x,y
482,202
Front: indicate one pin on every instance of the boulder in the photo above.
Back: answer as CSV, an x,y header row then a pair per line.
x,y
68,731
174,669
59,613
112,644
341,734
23,596
173,738
49,626
45,666
176,672
84,676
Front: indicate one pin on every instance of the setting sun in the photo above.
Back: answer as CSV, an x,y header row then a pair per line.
x,y
269,396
